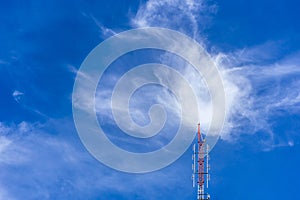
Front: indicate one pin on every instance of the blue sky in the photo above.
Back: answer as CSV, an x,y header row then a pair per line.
x,y
255,44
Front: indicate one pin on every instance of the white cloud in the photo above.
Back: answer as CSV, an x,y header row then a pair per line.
x,y
4,143
258,54
19,98
17,95
258,80
256,92
40,165
105,32
10,152
181,15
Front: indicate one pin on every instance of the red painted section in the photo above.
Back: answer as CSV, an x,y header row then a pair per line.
x,y
200,159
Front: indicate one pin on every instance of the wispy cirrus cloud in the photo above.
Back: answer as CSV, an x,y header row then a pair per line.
x,y
105,32
17,95
259,80
260,92
187,16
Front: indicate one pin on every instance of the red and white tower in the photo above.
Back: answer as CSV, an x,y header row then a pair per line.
x,y
200,166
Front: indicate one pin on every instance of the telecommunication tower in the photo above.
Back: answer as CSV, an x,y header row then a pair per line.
x,y
200,166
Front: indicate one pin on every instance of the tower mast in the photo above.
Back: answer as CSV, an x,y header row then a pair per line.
x,y
200,166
